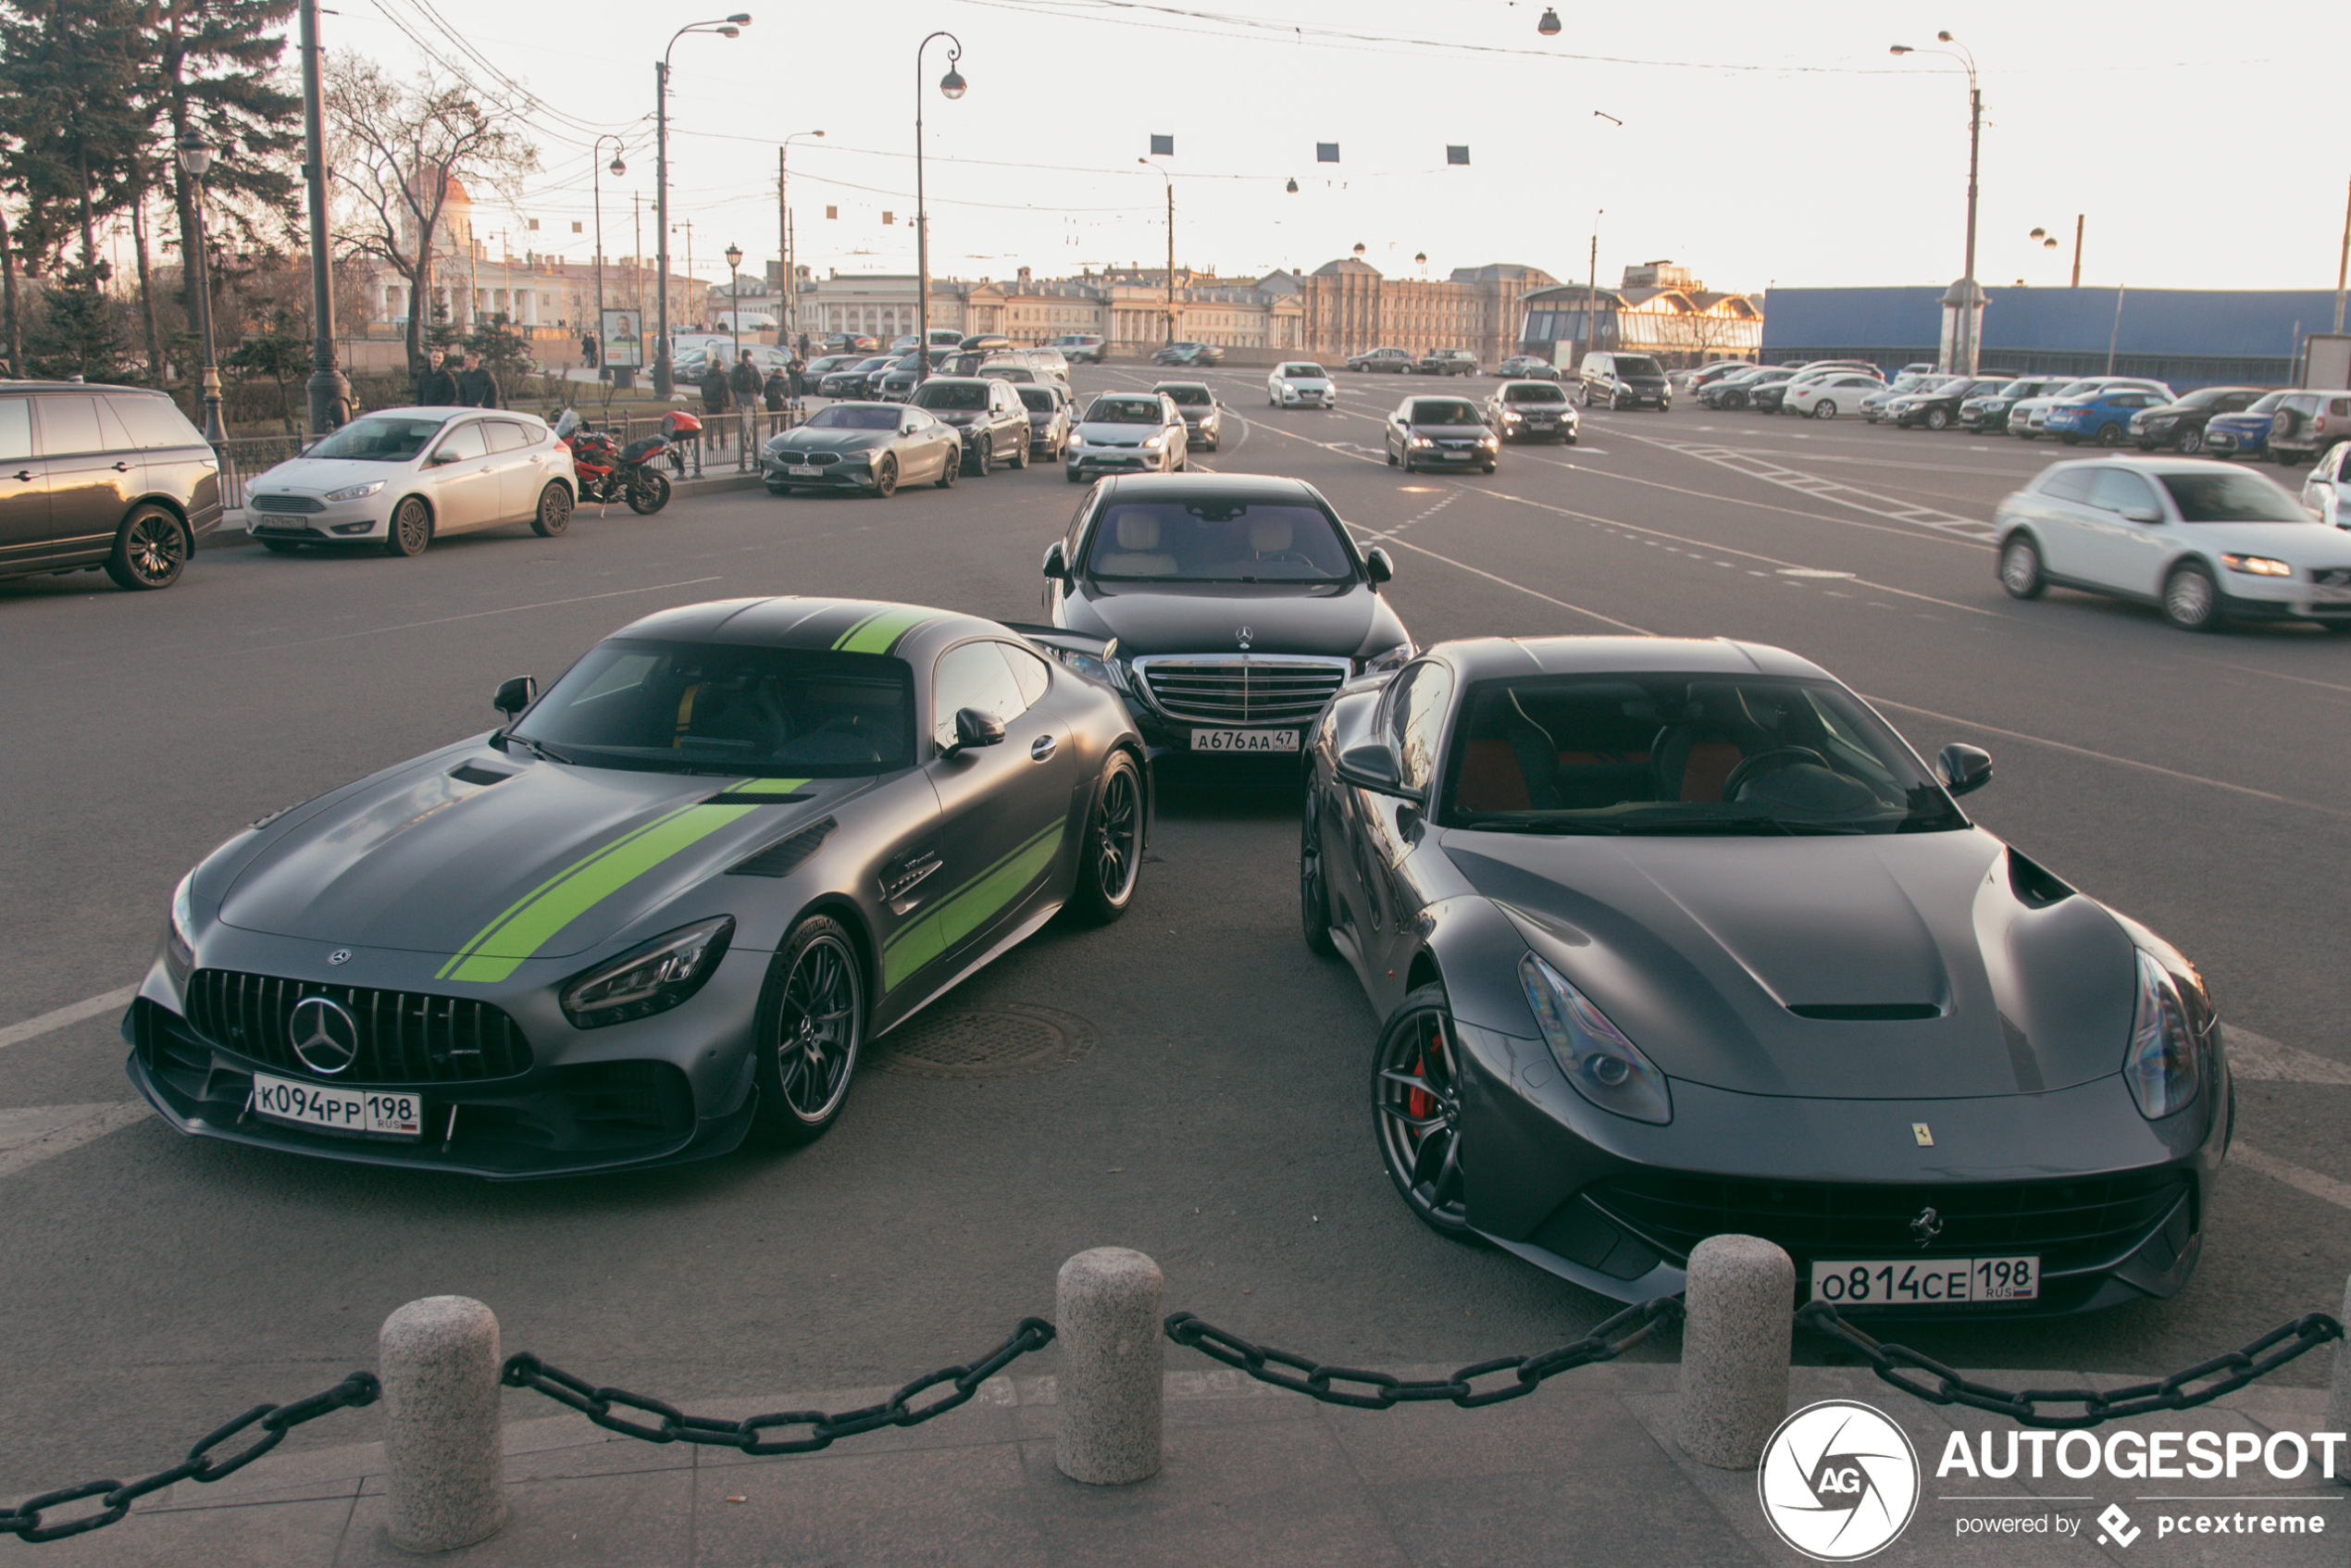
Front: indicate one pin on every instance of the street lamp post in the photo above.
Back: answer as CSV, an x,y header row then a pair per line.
x,y
329,393
1171,243
735,298
664,379
783,240
1963,343
951,86
195,159
595,184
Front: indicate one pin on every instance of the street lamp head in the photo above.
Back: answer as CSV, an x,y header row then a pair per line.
x,y
616,165
195,154
730,32
1901,49
2037,233
1549,26
952,84
1421,258
1943,38
741,18
1359,247
734,256
2050,243
1292,187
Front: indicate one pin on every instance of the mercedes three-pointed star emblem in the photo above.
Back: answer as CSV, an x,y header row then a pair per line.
x,y
1247,635
325,1036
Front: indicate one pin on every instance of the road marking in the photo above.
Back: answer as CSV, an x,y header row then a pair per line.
x,y
1831,490
2270,1061
2104,756
470,615
31,1028
2322,1187
31,1134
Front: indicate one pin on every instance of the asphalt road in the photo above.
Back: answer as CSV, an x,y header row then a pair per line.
x,y
154,1285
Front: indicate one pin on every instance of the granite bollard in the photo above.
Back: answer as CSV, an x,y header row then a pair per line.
x,y
1106,1308
1736,1339
443,1453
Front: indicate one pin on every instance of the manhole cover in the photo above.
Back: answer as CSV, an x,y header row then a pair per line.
x,y
1012,1039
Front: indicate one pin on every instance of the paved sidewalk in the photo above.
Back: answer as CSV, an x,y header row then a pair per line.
x,y
1584,1471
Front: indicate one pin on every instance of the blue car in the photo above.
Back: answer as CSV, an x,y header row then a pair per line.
x,y
2103,417
2245,434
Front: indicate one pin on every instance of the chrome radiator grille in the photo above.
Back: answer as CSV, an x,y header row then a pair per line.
x,y
405,1037
1241,688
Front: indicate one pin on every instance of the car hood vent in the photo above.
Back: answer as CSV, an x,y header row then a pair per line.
x,y
1867,1012
474,773
782,857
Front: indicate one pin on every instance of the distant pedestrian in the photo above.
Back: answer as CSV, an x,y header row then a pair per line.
x,y
713,397
587,350
776,389
796,377
436,388
477,388
803,346
743,381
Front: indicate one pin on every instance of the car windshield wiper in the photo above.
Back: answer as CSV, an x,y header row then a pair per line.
x,y
1728,825
1553,826
542,748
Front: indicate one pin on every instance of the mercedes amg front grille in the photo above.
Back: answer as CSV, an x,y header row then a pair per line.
x,y
2080,1222
1243,687
404,1036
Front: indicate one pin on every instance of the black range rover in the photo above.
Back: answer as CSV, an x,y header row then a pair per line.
x,y
100,477
1237,603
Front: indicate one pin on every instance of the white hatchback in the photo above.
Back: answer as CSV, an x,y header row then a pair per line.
x,y
2205,541
2327,493
1825,397
1301,384
405,476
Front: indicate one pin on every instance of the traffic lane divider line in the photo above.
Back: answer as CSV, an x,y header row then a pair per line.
x,y
2323,1187
72,1012
31,1134
2269,1061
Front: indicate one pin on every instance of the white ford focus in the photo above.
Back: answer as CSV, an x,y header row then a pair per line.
x,y
2205,541
405,476
1301,384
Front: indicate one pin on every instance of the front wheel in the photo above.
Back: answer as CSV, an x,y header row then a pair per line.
x,y
1020,452
648,490
983,456
1110,859
1416,1110
150,551
2020,569
813,1024
411,529
2110,435
2191,441
1824,409
2190,601
949,471
1938,418
1314,892
554,512
886,478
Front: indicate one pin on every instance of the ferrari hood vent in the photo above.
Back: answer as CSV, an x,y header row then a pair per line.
x,y
1866,1013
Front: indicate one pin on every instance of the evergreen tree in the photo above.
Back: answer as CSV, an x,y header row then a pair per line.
x,y
71,123
214,69
80,331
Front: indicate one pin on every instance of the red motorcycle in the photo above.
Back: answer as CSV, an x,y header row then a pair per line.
x,y
609,471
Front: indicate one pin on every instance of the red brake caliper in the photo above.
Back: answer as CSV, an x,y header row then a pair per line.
x,y
1419,1103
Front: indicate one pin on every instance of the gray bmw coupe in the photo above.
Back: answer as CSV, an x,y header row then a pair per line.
x,y
664,908
1673,938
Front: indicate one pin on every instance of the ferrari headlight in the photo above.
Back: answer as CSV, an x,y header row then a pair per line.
x,y
355,492
650,978
180,947
2257,565
1605,1067
1394,658
2161,1065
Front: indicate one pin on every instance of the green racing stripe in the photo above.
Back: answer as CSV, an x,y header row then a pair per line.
x,y
968,907
535,919
878,632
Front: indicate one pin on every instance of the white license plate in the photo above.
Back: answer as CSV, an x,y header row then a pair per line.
x,y
1244,740
324,1108
1922,1282
807,470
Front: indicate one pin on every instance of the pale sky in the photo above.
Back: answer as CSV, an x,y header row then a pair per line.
x,y
1787,146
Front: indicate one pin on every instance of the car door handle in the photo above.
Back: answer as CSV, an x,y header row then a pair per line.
x,y
22,474
1041,748
123,467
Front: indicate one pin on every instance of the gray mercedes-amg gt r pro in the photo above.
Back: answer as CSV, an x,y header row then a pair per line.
x,y
664,907
1677,939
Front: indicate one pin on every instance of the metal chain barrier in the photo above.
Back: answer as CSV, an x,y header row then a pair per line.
x,y
115,1497
2229,1373
526,1371
1606,1342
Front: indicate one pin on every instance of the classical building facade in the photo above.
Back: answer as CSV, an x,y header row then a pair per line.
x,y
1347,307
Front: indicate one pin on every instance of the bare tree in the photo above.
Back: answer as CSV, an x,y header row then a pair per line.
x,y
400,148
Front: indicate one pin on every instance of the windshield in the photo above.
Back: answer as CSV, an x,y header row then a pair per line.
x,y
1218,540
950,394
1540,391
876,363
1305,373
853,417
1189,397
1039,399
725,708
1442,411
2231,495
1124,411
1637,365
383,439
2258,405
1670,754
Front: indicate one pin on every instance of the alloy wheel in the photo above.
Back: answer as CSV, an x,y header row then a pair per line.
x,y
817,1030
1417,1107
411,529
2191,440
150,552
2190,602
1118,827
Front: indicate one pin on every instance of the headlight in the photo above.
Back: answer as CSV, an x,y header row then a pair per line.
x,y
1394,658
182,947
2257,565
1155,442
1109,670
2161,1065
1075,441
1486,440
1605,1067
1423,441
355,492
648,979
1513,416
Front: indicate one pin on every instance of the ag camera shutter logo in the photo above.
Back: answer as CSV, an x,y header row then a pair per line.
x,y
1839,1481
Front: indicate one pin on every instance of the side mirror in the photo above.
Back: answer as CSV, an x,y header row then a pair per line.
x,y
442,456
1379,564
2144,513
976,727
1964,767
1370,763
1057,562
515,695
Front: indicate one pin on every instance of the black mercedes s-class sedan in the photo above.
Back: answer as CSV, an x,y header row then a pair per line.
x,y
1234,606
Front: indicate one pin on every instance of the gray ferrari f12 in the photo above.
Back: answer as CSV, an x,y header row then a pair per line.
x,y
1676,939
665,906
